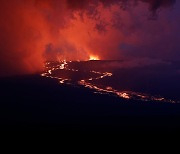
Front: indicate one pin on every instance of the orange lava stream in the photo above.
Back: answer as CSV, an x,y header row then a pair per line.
x,y
63,65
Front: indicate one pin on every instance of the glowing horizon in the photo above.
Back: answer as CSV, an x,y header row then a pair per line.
x,y
92,57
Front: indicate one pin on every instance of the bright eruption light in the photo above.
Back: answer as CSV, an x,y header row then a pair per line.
x,y
92,57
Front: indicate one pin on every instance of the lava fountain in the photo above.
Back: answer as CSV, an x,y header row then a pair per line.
x,y
93,57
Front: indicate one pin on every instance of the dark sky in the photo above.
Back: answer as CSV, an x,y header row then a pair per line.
x,y
33,31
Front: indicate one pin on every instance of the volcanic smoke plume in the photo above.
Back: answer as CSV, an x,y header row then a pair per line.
x,y
33,31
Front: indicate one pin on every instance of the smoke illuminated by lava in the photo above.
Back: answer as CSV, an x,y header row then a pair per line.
x,y
34,31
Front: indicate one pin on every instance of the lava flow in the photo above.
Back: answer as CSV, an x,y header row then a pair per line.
x,y
55,70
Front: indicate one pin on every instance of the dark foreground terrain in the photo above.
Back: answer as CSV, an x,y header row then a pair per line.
x,y
37,103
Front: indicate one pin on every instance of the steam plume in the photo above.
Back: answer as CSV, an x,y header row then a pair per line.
x,y
33,31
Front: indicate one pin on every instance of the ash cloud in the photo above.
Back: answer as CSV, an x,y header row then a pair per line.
x,y
153,4
34,31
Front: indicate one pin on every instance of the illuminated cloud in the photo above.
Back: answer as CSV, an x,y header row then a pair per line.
x,y
34,31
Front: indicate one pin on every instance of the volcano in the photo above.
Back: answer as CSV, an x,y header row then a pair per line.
x,y
93,97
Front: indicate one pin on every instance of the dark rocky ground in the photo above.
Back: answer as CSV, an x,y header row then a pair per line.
x,y
36,103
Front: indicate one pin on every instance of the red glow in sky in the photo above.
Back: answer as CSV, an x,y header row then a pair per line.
x,y
35,31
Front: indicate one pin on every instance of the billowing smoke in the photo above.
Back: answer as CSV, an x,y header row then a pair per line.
x,y
33,31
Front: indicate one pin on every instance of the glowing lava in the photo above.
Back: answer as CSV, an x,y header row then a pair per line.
x,y
53,67
92,57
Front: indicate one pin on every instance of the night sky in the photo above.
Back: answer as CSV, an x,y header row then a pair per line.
x,y
35,31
